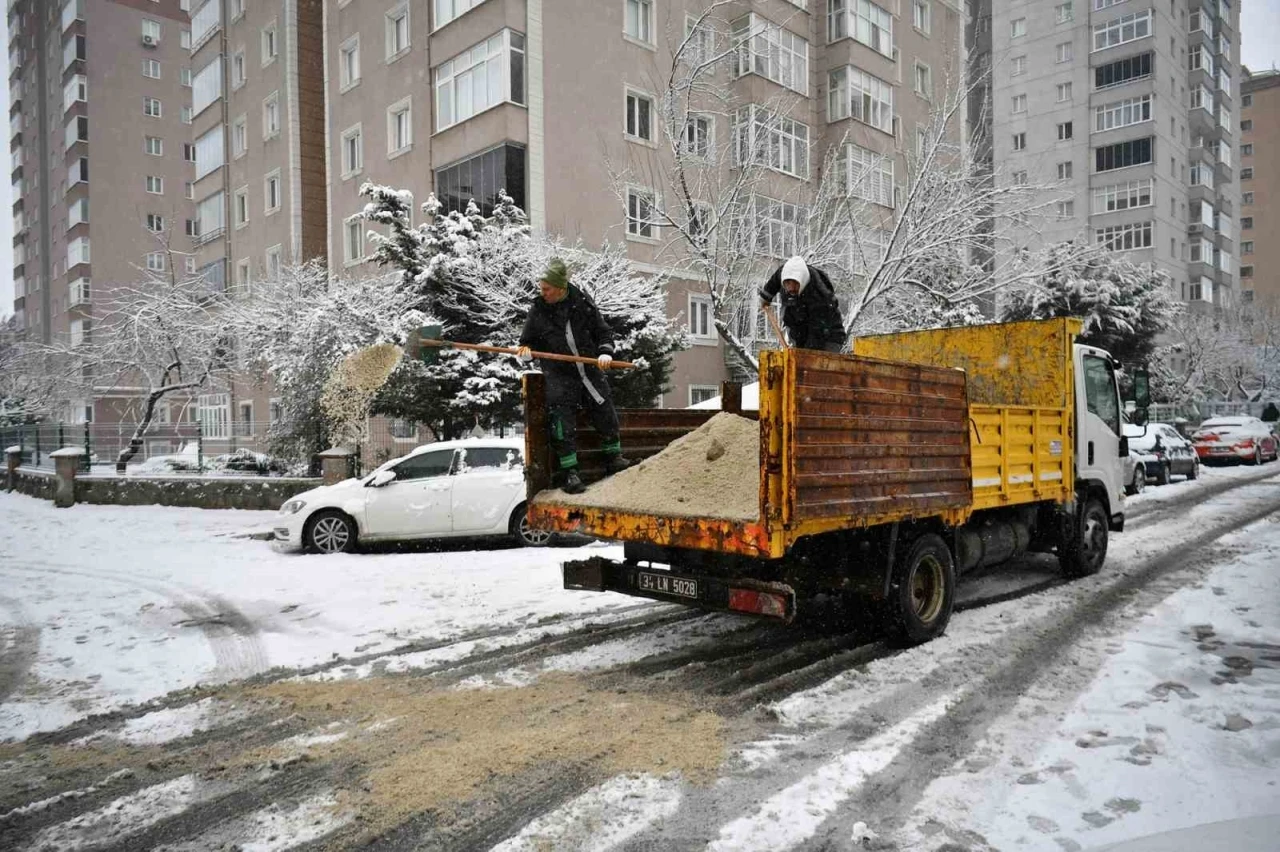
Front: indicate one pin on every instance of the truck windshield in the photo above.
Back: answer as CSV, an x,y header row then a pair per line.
x,y
1100,391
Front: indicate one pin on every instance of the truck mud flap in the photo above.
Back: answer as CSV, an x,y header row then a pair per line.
x,y
775,601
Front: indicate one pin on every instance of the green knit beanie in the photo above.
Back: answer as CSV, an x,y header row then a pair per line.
x,y
556,275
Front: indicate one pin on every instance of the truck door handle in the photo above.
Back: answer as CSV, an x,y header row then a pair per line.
x,y
1091,454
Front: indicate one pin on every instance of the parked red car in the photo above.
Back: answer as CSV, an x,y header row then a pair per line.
x,y
1235,439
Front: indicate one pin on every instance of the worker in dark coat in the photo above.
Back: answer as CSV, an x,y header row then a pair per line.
x,y
810,311
565,321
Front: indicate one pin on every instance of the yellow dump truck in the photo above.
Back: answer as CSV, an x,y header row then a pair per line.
x,y
883,474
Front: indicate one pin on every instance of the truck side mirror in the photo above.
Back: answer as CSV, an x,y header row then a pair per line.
x,y
1142,389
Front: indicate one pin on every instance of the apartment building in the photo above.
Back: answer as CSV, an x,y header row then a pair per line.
x,y
1128,109
257,128
553,101
1260,187
93,210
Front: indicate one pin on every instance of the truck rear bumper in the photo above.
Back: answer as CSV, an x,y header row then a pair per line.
x,y
775,601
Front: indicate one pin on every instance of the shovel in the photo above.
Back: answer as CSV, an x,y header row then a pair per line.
x,y
429,339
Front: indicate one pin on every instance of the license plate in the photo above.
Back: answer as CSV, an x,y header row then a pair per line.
x,y
668,585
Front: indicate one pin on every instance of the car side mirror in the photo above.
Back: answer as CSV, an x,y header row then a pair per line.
x,y
381,478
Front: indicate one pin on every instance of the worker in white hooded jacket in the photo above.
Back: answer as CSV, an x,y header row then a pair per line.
x,y
810,311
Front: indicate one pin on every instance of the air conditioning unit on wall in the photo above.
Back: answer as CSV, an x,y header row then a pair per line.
x,y
148,41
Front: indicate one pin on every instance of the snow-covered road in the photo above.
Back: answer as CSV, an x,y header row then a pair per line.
x,y
1051,716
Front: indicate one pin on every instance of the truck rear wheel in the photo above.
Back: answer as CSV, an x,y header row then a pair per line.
x,y
1086,550
921,591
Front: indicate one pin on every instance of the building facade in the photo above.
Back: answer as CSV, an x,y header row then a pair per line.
x,y
99,151
1128,110
1260,187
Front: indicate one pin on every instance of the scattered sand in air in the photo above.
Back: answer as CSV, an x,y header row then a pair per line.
x,y
714,471
350,388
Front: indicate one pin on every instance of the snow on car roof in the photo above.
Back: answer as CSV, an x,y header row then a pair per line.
x,y
463,443
1225,421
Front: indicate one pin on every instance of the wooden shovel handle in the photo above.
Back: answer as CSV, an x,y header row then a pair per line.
x,y
511,350
777,329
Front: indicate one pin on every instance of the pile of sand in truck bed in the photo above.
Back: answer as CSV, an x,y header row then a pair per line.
x,y
713,471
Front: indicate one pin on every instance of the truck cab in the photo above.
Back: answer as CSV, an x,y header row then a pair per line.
x,y
1100,443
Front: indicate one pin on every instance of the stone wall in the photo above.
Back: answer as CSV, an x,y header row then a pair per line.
x,y
231,492
36,483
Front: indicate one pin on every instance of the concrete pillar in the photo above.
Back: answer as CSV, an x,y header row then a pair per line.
x,y
65,463
12,458
337,464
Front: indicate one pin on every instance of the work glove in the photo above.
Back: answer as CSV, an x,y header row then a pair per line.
x,y
604,361
524,354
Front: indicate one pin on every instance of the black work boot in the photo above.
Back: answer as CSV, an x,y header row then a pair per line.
x,y
572,483
613,464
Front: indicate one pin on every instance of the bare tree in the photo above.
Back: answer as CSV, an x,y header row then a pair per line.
x,y
1230,353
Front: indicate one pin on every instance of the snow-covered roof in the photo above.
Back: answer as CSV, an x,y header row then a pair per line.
x,y
750,399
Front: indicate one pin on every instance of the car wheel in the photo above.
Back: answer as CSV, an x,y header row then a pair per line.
x,y
921,591
1139,481
330,531
1086,550
1257,455
1194,472
525,535
1162,475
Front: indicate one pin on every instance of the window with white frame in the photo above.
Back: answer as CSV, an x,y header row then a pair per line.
x,y
275,261
765,138
1066,209
240,207
1122,113
698,136
779,227
1064,92
1064,170
349,62
271,191
155,261
184,76
1202,251
921,15
637,21
77,212
75,91
853,93
1126,237
1099,5
702,393
352,151
189,264
700,41
447,10
1200,59
1018,28
151,107
1018,103
1063,12
400,127
155,223
397,28
641,213
192,227
1020,177
480,78
155,146
862,21
209,151
353,240
1122,30
922,142
271,116
868,175
213,413
185,115
184,38
155,184
77,251
1019,141
151,30
151,68
1064,52
639,123
207,86
275,409
239,68
1066,130
701,323
210,213
242,278
78,331
762,47
240,136
1017,66
189,190
270,43
923,79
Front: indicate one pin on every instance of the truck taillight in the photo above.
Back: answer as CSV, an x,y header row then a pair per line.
x,y
762,603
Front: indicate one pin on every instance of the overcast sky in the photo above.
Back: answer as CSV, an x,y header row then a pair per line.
x,y
1259,24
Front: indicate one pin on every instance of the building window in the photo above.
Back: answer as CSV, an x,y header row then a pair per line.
x,y
210,214
765,138
779,227
700,44
868,175
271,191
923,80
1246,224
1122,113
271,116
702,393
239,69
240,207
352,151
1246,198
184,38
1017,66
1064,170
1018,28
151,68
1064,92
188,152
210,153
155,261
1066,210
185,115
641,214
1122,30
853,93
184,77
397,25
480,78
155,185
1064,131
1133,235
639,116
1063,13
1123,196
862,21
349,62
151,107
638,20
447,10
353,242
399,127
1246,101
213,413
242,285
1247,272
207,86
1020,178
192,228
240,136
155,146
275,261
1246,125
698,136
1065,52
480,179
155,223
1246,174
921,15
1246,150
1019,103
151,30
189,190
77,334
1123,154
1246,247
764,48
270,43
1019,141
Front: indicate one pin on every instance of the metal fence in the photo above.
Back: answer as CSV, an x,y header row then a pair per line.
x,y
1196,412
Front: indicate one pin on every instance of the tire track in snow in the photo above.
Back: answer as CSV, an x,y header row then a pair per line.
x,y
19,647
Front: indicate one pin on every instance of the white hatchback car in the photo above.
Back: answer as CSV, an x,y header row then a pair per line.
x,y
451,489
